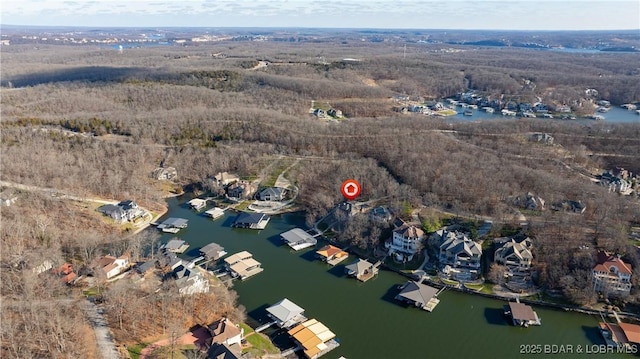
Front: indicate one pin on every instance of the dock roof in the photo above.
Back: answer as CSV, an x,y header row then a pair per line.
x,y
297,235
175,222
174,244
237,257
211,249
250,218
329,251
418,292
285,310
520,311
631,331
360,266
312,335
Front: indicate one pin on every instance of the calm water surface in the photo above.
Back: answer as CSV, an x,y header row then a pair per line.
x,y
366,319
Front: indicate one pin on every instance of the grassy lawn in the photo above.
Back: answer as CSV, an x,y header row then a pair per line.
x,y
242,205
247,329
134,351
449,282
487,288
408,266
270,179
91,292
476,287
260,342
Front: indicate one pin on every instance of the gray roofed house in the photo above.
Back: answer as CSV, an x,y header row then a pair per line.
x,y
458,251
113,211
286,313
122,212
272,194
417,294
223,351
251,220
515,254
190,282
213,251
146,267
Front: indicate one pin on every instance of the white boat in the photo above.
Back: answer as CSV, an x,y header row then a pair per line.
x,y
488,109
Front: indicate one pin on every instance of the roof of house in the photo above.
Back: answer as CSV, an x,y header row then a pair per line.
x,y
297,235
245,217
605,261
106,260
409,231
330,251
359,266
631,331
312,335
457,244
144,267
223,351
418,292
519,249
273,191
108,209
223,330
520,311
285,310
234,258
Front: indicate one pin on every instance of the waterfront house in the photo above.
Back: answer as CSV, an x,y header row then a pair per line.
x,y
164,173
331,254
175,245
272,194
214,213
226,332
239,190
611,275
122,212
242,265
362,269
458,251
113,266
298,239
173,225
418,294
286,313
221,351
212,251
223,179
197,203
514,254
8,197
314,338
251,220
146,267
521,314
406,242
66,273
190,281
530,201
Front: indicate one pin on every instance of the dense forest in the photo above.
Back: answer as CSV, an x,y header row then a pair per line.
x,y
96,122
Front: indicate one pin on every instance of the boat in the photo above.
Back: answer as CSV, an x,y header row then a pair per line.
x,y
603,109
488,109
597,117
547,115
468,113
506,112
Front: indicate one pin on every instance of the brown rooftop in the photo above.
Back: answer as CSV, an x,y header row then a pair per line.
x,y
521,311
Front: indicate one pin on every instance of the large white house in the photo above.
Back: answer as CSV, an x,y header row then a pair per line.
x,y
405,242
515,254
611,274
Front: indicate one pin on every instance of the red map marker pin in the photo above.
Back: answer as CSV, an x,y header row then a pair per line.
x,y
350,189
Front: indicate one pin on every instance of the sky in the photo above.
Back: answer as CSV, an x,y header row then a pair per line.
x,y
386,14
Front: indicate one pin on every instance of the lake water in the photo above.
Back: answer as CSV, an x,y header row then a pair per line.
x,y
615,115
366,319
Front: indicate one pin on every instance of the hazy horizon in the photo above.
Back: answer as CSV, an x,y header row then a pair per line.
x,y
518,15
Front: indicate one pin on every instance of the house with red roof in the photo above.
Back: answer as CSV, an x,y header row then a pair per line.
x,y
66,273
611,275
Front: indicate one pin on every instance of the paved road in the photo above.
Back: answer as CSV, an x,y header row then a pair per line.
x,y
103,335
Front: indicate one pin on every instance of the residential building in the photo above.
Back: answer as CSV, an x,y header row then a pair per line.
x,y
406,241
190,281
125,211
458,251
114,266
164,173
381,215
221,351
223,179
239,190
272,194
66,273
515,254
225,332
611,275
